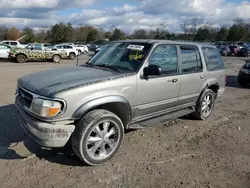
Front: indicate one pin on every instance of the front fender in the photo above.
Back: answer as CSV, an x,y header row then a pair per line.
x,y
100,101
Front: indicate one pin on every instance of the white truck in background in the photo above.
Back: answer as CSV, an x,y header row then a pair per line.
x,y
13,43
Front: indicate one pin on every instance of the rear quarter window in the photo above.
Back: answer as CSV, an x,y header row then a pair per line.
x,y
213,59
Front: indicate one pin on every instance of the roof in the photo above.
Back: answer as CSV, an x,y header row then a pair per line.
x,y
153,41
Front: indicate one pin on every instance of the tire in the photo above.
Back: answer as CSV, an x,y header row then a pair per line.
x,y
87,129
21,58
200,112
56,58
79,52
72,56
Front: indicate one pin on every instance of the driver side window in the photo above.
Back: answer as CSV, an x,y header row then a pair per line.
x,y
165,56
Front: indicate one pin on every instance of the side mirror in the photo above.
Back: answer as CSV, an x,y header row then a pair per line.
x,y
152,70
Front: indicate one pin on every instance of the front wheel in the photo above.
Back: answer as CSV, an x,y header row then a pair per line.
x,y
56,58
21,58
98,137
72,56
205,105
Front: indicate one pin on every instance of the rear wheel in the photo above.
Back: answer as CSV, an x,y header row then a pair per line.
x,y
56,58
79,52
205,105
72,56
98,137
21,58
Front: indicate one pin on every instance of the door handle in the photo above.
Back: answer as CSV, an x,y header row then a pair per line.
x,y
202,77
175,80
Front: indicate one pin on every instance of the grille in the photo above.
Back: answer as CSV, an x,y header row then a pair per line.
x,y
24,98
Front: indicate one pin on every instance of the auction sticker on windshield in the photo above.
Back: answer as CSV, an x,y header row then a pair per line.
x,y
135,47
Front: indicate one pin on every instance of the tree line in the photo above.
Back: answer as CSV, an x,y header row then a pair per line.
x,y
195,30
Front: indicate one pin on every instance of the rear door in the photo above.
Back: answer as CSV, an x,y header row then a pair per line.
x,y
193,75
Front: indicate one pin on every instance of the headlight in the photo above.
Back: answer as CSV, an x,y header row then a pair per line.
x,y
247,71
45,108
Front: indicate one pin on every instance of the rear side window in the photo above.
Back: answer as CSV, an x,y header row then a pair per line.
x,y
191,61
38,47
213,59
68,47
13,43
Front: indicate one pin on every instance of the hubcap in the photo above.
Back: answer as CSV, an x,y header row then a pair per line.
x,y
21,59
102,140
56,58
207,105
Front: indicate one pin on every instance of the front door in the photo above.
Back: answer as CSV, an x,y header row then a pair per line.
x,y
192,74
159,93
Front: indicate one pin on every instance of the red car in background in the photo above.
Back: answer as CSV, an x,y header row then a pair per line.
x,y
234,49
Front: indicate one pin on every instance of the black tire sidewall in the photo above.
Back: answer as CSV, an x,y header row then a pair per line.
x,y
198,109
83,132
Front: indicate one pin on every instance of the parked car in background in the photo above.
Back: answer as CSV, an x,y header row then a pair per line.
x,y
234,49
129,84
35,51
244,74
72,52
243,44
13,43
82,49
225,51
4,51
244,52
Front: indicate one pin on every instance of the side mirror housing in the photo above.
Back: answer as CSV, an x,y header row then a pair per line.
x,y
152,70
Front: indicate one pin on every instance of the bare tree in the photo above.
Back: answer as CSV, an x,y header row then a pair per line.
x,y
3,32
239,21
184,26
195,22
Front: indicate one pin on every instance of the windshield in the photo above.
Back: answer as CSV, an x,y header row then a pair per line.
x,y
122,55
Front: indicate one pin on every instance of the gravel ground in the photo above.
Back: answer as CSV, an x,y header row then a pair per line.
x,y
180,153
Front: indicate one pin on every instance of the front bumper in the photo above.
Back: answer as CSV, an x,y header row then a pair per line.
x,y
11,56
51,135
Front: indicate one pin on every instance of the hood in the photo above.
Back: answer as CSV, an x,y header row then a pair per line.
x,y
48,83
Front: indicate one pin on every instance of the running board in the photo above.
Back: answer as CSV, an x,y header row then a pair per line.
x,y
161,119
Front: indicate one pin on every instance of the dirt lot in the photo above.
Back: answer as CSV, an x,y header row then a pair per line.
x,y
181,153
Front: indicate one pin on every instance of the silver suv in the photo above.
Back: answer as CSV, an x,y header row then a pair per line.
x,y
127,85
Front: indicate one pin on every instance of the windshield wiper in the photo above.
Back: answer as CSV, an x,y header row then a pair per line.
x,y
89,64
109,66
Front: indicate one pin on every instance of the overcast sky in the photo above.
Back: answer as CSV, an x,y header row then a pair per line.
x,y
125,14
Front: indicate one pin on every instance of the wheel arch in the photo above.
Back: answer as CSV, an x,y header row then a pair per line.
x,y
21,54
116,104
213,85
